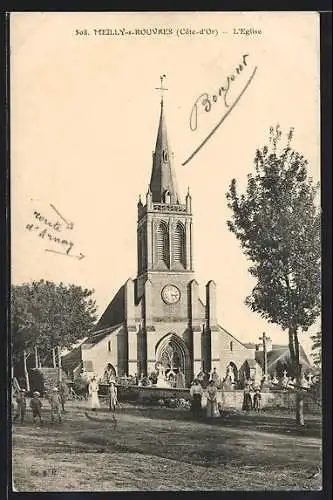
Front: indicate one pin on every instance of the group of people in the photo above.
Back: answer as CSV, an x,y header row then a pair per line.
x,y
249,403
112,396
56,399
196,395
176,379
210,392
204,377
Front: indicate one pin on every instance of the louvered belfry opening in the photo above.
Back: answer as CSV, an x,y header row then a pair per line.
x,y
162,243
142,250
179,251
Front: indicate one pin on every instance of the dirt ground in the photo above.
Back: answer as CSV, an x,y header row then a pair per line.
x,y
164,449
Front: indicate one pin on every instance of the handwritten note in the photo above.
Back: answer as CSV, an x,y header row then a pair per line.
x,y
205,101
51,230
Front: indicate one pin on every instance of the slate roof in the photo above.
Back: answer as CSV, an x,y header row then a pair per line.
x,y
250,345
281,353
96,337
72,359
163,177
230,335
114,314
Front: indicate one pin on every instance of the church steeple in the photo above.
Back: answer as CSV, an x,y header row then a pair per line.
x,y
164,223
163,180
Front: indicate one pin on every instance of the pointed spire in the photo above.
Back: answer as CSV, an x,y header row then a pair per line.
x,y
163,179
188,200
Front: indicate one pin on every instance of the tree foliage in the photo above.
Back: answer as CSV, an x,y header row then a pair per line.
x,y
47,315
278,225
316,348
277,221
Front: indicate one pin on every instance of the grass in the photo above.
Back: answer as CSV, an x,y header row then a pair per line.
x,y
164,449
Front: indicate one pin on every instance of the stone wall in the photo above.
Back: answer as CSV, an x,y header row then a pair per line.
x,y
44,379
284,400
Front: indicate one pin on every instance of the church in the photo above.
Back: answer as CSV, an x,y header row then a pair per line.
x,y
158,317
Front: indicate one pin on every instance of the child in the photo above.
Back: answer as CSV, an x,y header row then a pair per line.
x,y
63,393
21,405
56,404
36,406
257,400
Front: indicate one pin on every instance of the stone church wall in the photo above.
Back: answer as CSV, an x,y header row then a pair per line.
x,y
282,400
230,350
103,353
171,312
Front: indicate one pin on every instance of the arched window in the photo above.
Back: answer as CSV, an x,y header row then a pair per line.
x,y
179,251
162,243
167,197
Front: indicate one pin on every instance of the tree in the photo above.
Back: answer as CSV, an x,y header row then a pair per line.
x,y
316,348
277,222
46,316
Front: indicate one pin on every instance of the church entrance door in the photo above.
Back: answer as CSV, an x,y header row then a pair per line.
x,y
171,359
172,353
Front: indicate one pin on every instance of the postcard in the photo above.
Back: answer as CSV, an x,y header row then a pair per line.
x,y
165,251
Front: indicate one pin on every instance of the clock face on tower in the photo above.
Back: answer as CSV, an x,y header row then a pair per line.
x,y
170,294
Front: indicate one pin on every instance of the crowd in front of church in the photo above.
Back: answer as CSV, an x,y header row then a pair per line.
x,y
206,391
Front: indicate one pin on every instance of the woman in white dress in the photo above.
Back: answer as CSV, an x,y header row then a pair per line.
x,y
93,393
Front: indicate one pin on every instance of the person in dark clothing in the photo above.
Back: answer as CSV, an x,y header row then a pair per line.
x,y
21,406
36,406
153,378
196,393
247,400
257,400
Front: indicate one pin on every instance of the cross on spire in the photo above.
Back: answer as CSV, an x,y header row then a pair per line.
x,y
264,337
161,88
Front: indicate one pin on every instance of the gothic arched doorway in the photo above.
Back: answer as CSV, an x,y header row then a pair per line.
x,y
234,369
173,354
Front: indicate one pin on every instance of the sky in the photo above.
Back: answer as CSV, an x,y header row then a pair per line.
x,y
84,118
